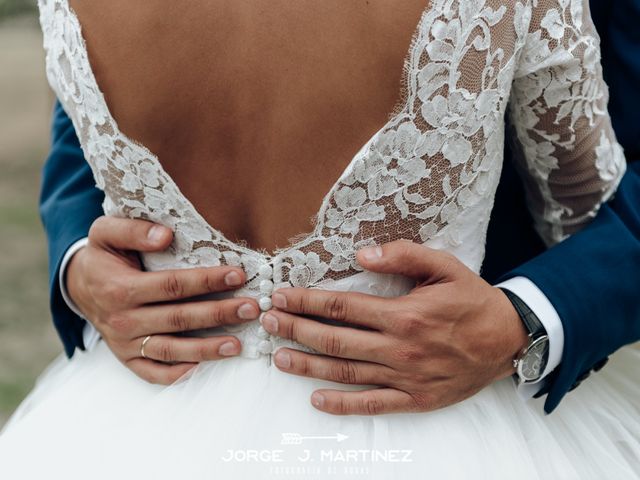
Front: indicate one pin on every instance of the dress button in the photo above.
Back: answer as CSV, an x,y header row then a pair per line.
x,y
265,303
266,271
266,287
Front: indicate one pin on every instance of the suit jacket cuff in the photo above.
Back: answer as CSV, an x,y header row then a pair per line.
x,y
90,335
71,251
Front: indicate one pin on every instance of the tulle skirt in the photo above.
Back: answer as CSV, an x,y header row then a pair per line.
x,y
90,417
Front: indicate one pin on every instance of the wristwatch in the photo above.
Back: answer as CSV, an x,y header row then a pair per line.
x,y
531,362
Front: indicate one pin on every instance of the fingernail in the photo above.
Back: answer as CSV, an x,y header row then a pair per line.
x,y
317,400
155,234
232,279
270,323
372,253
228,349
282,359
247,311
278,300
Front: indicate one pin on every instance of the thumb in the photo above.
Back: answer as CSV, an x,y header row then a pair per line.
x,y
129,234
404,257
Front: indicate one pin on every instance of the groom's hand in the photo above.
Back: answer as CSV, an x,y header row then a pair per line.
x,y
452,335
105,281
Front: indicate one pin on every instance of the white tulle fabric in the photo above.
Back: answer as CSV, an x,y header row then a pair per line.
x,y
93,418
429,175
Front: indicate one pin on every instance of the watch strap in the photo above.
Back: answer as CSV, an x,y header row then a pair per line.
x,y
529,318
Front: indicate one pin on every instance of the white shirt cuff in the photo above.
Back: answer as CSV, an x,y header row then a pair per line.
x,y
90,335
530,294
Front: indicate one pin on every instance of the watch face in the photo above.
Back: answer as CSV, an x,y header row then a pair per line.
x,y
534,360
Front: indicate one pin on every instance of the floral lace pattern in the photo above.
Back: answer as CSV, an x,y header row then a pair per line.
x,y
429,175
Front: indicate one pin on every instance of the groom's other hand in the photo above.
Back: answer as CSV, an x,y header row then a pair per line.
x,y
105,281
451,336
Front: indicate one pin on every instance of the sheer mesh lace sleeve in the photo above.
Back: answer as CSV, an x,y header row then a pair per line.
x,y
568,152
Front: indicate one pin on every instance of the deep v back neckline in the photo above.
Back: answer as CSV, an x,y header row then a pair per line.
x,y
243,245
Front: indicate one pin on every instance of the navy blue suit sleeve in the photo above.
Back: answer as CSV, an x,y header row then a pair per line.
x,y
69,203
593,278
593,281
617,23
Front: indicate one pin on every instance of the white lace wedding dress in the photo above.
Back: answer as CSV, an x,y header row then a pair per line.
x,y
428,175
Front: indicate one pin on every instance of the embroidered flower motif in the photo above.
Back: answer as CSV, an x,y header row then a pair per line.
x,y
350,210
457,150
609,159
307,269
553,24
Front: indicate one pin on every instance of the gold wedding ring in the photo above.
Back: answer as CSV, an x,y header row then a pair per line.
x,y
144,342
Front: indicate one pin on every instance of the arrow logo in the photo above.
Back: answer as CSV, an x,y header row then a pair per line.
x,y
297,439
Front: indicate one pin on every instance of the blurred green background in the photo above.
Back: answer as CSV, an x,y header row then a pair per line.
x,y
12,8
27,338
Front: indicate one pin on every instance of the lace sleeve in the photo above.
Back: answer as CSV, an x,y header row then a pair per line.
x,y
566,147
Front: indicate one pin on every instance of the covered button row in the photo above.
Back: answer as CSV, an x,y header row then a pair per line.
x,y
266,286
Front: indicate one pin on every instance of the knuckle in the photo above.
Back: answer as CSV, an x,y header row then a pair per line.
x,y
115,292
299,302
405,248
203,353
448,263
409,354
97,227
304,367
172,286
119,322
207,282
217,316
331,344
336,307
123,348
407,324
341,406
178,320
372,405
422,402
290,330
415,377
166,352
447,257
412,326
346,372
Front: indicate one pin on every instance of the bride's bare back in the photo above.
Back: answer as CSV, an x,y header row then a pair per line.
x,y
239,99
